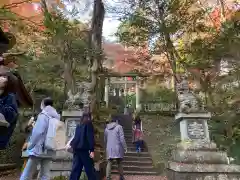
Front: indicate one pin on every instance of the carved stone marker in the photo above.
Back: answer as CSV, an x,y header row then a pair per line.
x,y
62,163
194,126
72,119
195,129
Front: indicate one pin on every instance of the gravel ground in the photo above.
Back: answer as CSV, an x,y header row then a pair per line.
x,y
141,178
10,175
14,175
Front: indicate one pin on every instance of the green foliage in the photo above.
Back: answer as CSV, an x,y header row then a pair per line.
x,y
135,29
12,153
150,19
158,94
60,178
83,177
225,132
186,35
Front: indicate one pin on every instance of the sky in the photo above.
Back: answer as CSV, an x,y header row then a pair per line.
x,y
110,24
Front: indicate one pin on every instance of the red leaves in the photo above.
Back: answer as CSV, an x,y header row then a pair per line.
x,y
136,58
28,11
216,16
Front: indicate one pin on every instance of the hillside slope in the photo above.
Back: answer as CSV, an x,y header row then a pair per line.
x,y
161,137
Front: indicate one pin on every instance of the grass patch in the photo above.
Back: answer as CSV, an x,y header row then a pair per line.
x,y
161,137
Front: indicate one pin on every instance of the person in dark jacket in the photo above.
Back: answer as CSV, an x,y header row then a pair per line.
x,y
83,149
8,109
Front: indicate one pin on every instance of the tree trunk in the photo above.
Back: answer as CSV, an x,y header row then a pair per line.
x,y
101,87
169,47
68,77
96,50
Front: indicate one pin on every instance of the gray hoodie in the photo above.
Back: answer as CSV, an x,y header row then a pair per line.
x,y
115,141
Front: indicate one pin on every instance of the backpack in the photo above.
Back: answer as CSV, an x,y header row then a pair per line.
x,y
56,134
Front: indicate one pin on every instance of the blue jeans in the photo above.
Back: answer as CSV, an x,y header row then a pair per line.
x,y
139,145
31,167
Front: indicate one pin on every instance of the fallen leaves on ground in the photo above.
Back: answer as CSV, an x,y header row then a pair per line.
x,y
135,177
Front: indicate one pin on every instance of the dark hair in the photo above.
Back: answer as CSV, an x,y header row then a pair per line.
x,y
137,118
48,102
114,118
81,105
86,117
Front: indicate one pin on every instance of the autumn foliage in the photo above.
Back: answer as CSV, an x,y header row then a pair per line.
x,y
27,11
138,59
218,17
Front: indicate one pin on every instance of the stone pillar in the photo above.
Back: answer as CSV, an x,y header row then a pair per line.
x,y
62,162
138,105
196,157
72,119
106,94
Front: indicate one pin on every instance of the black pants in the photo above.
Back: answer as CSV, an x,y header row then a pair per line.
x,y
81,159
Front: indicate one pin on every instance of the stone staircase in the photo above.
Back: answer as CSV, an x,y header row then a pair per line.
x,y
134,163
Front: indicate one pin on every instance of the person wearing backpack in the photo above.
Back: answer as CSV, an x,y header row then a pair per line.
x,y
38,153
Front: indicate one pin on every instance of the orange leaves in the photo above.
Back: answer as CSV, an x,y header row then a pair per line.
x,y
29,11
136,58
217,16
3,2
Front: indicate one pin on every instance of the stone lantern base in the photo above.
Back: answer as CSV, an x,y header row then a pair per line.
x,y
201,161
177,171
196,157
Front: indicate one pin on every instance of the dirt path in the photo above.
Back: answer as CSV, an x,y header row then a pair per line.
x,y
142,178
15,176
10,175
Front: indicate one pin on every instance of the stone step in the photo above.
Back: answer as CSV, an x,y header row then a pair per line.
x,y
133,149
138,163
131,145
128,136
136,173
132,161
127,132
136,158
128,139
142,154
5,167
135,168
